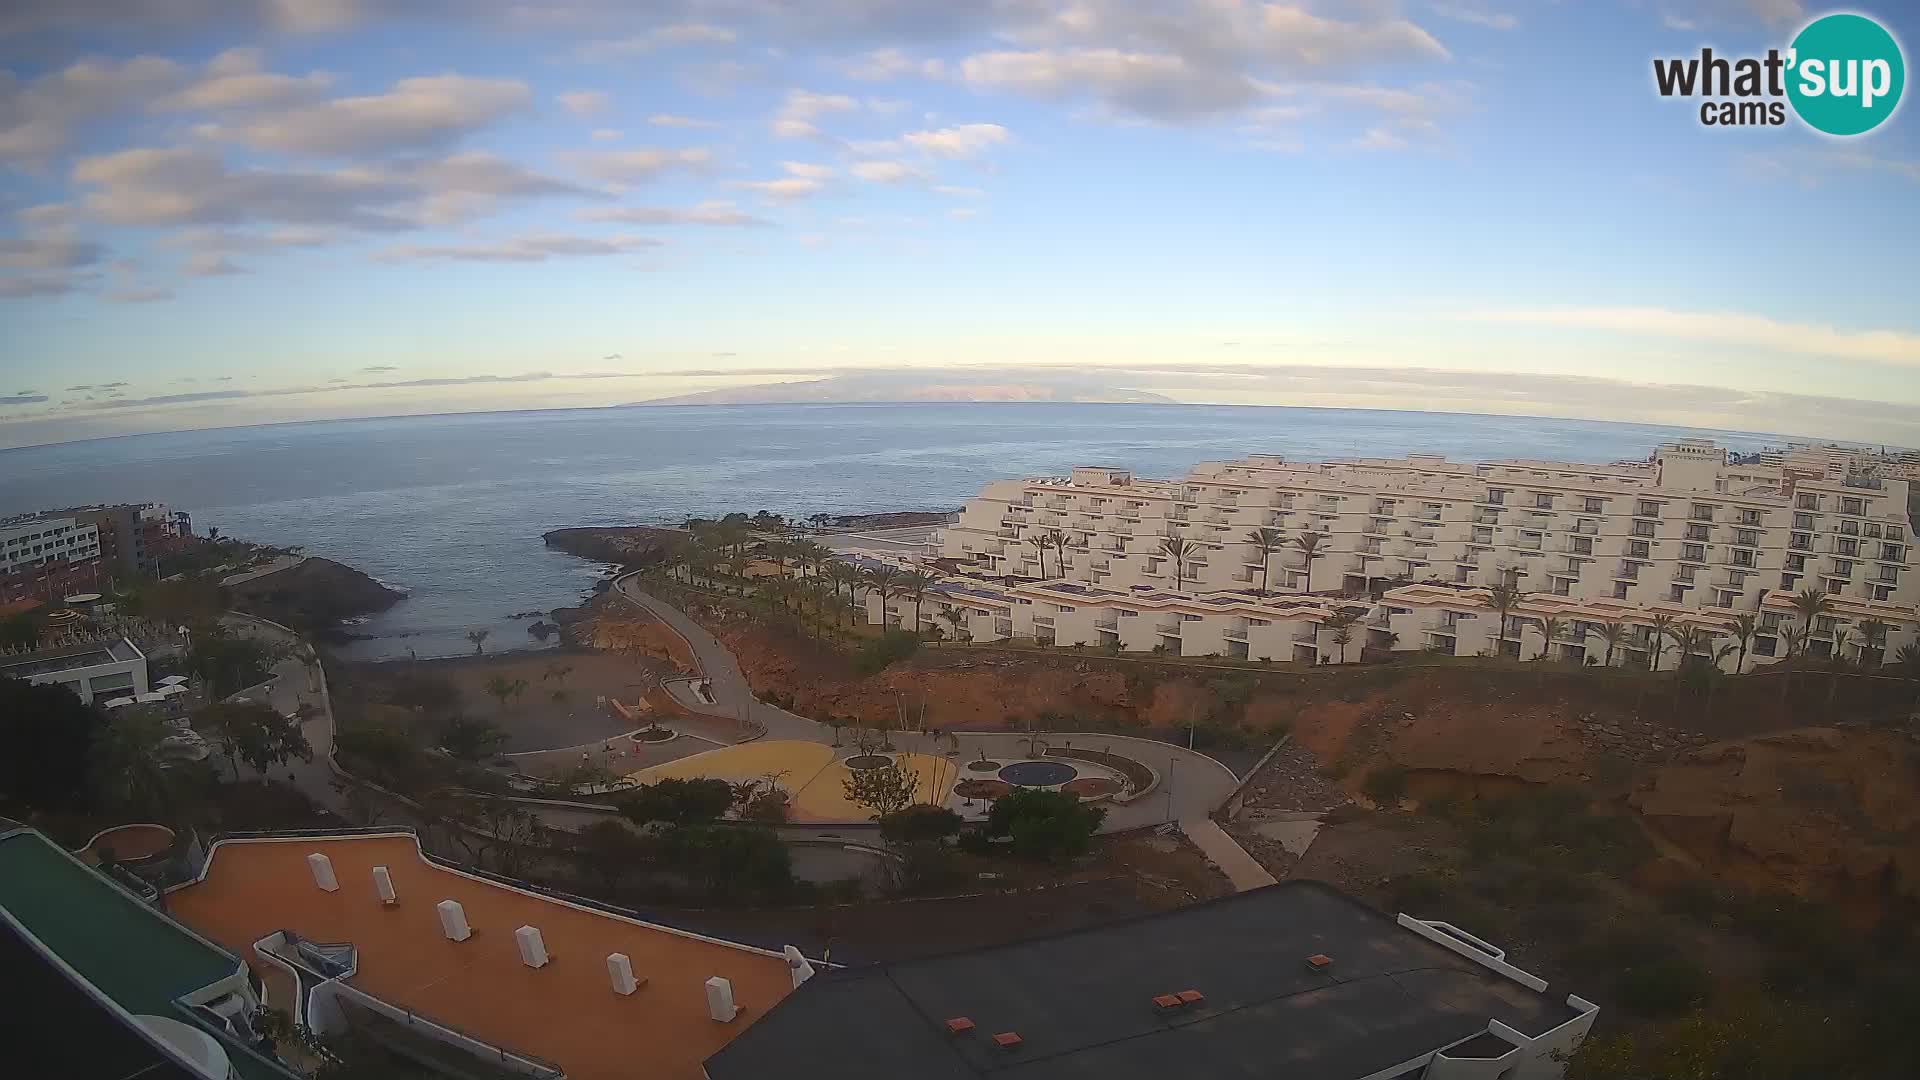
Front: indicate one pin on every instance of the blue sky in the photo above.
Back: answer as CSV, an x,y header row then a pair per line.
x,y
321,208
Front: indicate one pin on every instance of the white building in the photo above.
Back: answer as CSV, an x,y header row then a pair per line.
x,y
33,542
108,668
1685,535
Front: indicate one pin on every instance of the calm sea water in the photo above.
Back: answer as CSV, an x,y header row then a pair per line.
x,y
451,508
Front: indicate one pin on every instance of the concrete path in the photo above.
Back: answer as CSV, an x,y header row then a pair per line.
x,y
1222,852
297,681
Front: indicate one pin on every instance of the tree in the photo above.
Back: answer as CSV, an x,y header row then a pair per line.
x,y
956,617
914,584
677,801
1342,624
1908,657
19,631
1551,628
610,851
1505,596
1044,824
479,639
885,790
1268,541
1745,625
254,734
1795,639
884,580
470,739
1873,643
729,862
227,662
47,734
1659,628
919,824
556,672
1309,545
1840,635
128,769
1612,634
844,574
1179,549
501,688
1060,542
1039,542
1810,604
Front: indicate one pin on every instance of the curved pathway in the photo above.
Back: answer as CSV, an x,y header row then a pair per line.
x,y
1191,785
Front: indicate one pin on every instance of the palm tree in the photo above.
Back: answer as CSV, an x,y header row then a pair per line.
x,y
1268,540
1659,626
1810,604
1795,639
1179,550
1908,657
1873,648
1309,545
127,766
1040,543
1504,596
1840,635
1686,639
1612,633
1059,541
838,574
884,580
479,639
1713,674
1744,627
914,584
957,619
1551,627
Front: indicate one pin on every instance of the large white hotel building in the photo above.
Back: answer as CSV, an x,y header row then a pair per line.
x,y
1410,545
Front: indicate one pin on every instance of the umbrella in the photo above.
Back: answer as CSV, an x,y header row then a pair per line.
x,y
148,697
119,701
172,689
174,680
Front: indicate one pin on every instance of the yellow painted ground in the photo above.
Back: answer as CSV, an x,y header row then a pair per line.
x,y
810,771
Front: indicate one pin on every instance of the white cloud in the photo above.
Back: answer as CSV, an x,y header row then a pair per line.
x,y
707,213
583,102
537,247
886,172
1894,347
1477,15
958,192
677,35
49,249
885,65
787,128
797,113
138,294
416,113
211,264
38,118
801,180
235,79
1379,139
315,16
959,141
671,120
607,135
644,163
1160,85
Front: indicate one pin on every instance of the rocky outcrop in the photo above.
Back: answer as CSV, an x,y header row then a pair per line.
x,y
313,595
631,546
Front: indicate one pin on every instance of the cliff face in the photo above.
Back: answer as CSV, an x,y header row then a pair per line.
x,y
630,546
314,595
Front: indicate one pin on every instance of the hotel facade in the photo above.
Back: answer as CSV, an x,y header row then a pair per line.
x,y
1409,548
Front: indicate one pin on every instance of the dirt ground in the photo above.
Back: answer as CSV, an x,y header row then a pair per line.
x,y
535,720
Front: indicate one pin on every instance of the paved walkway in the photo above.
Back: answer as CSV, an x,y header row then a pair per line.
x,y
298,680
1230,857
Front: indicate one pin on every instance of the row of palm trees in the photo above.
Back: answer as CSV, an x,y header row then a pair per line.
x,y
822,580
1183,551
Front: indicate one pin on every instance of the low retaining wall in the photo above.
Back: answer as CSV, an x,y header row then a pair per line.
x,y
1141,779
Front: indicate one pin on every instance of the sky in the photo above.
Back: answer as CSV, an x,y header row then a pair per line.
x,y
220,212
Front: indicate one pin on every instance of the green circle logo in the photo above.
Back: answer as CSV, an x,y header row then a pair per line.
x,y
1845,74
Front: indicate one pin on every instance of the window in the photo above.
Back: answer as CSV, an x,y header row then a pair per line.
x,y
1844,546
1483,535
1808,502
1701,512
1639,549
1677,594
1824,624
1749,517
1583,545
1746,537
1693,553
1698,532
1726,598
1894,533
1800,542
1593,505
1643,528
1887,573
1883,592
1497,496
1619,590
1772,620
1742,558
1683,573
1796,563
1843,567
1542,500
1788,581
1853,506
1646,508
1850,528
1803,521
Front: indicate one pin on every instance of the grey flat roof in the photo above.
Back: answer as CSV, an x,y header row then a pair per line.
x,y
69,657
1082,1001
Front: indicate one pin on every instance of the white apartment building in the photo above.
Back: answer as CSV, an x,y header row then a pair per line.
x,y
1683,535
107,668
32,542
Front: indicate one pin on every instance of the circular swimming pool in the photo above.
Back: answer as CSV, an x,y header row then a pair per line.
x,y
1038,773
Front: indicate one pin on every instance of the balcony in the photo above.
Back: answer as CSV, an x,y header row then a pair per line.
x,y
1627,572
1308,636
1106,622
1169,627
1236,632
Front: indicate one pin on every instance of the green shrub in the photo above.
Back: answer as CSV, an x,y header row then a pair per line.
x,y
1386,784
680,802
917,824
884,651
1044,824
1664,986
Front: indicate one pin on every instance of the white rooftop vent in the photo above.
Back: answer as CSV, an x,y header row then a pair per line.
x,y
720,1004
383,886
322,868
620,973
533,949
799,965
453,920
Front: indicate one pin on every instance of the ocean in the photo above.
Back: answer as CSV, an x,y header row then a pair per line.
x,y
451,508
